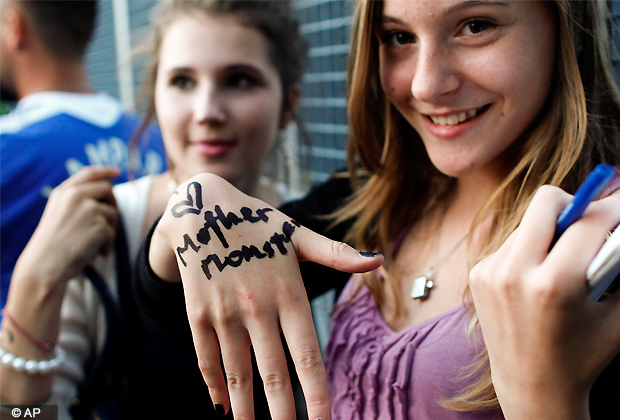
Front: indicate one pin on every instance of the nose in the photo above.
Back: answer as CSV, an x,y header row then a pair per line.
x,y
209,107
435,73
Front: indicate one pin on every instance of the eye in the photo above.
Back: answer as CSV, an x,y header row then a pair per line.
x,y
241,81
476,26
397,38
182,82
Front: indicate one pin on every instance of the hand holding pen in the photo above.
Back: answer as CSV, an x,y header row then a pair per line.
x,y
606,265
587,191
547,341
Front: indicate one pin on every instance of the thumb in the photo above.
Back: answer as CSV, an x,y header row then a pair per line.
x,y
311,246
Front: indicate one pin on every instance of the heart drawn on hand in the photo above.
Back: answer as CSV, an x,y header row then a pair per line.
x,y
189,203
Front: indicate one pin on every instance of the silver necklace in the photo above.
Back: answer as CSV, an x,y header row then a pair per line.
x,y
422,285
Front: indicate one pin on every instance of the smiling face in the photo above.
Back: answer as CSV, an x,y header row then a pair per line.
x,y
469,76
218,99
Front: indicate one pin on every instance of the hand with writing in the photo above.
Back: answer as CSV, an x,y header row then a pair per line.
x,y
547,341
238,260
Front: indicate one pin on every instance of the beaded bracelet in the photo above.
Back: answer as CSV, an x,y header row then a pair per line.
x,y
32,367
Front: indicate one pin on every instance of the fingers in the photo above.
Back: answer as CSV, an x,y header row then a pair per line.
x,y
304,346
90,182
536,230
583,239
238,366
92,173
208,352
272,366
311,246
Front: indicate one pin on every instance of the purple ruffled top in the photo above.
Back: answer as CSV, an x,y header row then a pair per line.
x,y
376,373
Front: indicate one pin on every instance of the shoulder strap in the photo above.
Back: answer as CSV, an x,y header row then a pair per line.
x,y
98,386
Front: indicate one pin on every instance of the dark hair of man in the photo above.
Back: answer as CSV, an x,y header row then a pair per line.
x,y
64,27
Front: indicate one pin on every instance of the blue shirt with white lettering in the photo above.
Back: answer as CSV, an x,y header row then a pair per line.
x,y
50,136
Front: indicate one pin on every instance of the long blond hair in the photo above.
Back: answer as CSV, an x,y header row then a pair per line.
x,y
394,180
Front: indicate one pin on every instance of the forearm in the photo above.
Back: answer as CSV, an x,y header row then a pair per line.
x,y
33,305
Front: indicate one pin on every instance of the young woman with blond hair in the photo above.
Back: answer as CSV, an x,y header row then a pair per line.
x,y
471,123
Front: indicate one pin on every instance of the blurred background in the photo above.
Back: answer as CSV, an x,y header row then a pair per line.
x,y
309,153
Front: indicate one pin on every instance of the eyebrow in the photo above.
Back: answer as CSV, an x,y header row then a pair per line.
x,y
452,9
243,67
230,68
180,70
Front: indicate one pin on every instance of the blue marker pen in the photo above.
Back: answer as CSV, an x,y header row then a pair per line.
x,y
587,191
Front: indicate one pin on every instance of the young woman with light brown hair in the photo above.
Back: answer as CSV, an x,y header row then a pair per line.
x,y
224,79
468,119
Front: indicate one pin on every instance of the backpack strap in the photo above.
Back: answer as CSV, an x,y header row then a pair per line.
x,y
102,390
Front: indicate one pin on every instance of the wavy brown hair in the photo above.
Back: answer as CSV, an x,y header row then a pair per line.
x,y
395,182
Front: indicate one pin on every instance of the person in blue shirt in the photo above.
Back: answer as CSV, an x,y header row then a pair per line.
x,y
59,124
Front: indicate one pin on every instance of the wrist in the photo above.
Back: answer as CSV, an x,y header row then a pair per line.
x,y
543,403
47,279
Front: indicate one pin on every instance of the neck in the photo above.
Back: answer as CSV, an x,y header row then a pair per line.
x,y
248,183
44,73
473,191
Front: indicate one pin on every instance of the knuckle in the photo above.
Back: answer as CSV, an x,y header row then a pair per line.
x,y
223,315
308,360
605,211
476,274
238,381
290,297
546,293
504,280
275,382
317,403
209,370
199,315
250,305
338,251
339,248
548,192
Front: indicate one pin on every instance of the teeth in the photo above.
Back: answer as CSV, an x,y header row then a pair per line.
x,y
454,119
440,120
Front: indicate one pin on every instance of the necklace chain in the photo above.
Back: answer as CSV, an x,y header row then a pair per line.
x,y
422,286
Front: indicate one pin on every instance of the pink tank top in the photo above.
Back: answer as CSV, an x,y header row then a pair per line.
x,y
376,373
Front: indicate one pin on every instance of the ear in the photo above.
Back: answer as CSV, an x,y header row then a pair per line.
x,y
15,28
288,114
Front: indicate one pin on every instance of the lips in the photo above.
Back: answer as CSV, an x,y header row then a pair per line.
x,y
453,125
213,148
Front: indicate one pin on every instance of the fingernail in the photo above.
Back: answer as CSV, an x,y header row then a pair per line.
x,y
368,255
219,410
